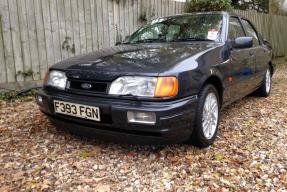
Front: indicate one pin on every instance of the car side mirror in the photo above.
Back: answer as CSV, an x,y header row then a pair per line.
x,y
242,42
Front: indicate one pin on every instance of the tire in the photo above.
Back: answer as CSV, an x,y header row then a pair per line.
x,y
266,86
201,137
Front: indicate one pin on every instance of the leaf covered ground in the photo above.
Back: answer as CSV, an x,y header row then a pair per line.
x,y
250,153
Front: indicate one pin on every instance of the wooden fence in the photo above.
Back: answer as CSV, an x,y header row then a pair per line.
x,y
34,34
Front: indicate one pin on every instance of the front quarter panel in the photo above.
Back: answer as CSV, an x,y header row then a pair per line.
x,y
216,64
194,71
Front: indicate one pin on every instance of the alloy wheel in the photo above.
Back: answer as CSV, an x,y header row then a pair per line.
x,y
210,115
268,81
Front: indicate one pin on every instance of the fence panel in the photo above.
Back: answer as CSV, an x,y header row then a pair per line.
x,y
7,42
34,34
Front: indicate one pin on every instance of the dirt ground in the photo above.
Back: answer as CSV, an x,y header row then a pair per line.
x,y
250,153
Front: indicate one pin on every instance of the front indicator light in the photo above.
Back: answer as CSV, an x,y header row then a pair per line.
x,y
141,117
166,87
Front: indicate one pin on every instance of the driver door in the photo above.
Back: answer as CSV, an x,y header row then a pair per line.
x,y
242,61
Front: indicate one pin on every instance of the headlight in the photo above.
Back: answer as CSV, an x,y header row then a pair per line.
x,y
145,86
56,79
137,86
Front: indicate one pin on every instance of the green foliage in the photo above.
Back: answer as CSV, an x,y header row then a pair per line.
x,y
11,95
25,73
30,93
207,5
257,5
7,95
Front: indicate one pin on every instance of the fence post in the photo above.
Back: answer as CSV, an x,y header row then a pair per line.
x,y
3,78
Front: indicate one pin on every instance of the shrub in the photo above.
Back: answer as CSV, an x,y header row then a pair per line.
x,y
207,5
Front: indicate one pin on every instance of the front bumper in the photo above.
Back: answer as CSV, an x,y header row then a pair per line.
x,y
174,119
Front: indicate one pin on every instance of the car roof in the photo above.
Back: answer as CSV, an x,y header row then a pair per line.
x,y
225,13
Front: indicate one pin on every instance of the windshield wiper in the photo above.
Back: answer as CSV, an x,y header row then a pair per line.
x,y
193,39
149,41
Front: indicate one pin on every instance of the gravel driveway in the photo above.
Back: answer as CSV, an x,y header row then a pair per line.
x,y
250,153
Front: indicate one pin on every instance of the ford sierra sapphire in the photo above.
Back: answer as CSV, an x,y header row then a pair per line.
x,y
166,83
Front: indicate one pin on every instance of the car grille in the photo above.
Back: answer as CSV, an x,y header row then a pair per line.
x,y
87,87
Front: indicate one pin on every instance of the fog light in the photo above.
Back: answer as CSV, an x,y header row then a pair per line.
x,y
40,99
141,117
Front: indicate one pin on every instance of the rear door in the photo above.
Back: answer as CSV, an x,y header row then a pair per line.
x,y
242,61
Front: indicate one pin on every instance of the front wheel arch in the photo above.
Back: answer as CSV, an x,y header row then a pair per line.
x,y
198,136
217,83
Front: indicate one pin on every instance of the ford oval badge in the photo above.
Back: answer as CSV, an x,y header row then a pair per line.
x,y
86,85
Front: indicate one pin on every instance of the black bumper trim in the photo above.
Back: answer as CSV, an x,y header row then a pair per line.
x,y
174,118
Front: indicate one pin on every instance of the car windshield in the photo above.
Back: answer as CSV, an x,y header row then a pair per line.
x,y
205,27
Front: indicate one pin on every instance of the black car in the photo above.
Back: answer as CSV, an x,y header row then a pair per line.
x,y
165,84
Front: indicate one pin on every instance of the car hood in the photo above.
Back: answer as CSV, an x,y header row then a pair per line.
x,y
141,59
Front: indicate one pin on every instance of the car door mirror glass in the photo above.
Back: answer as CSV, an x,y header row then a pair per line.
x,y
242,42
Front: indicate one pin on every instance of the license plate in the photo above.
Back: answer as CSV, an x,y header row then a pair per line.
x,y
77,110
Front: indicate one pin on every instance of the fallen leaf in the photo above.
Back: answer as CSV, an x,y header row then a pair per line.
x,y
84,154
219,156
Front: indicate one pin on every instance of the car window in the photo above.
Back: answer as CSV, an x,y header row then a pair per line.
x,y
152,33
235,28
250,32
159,28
